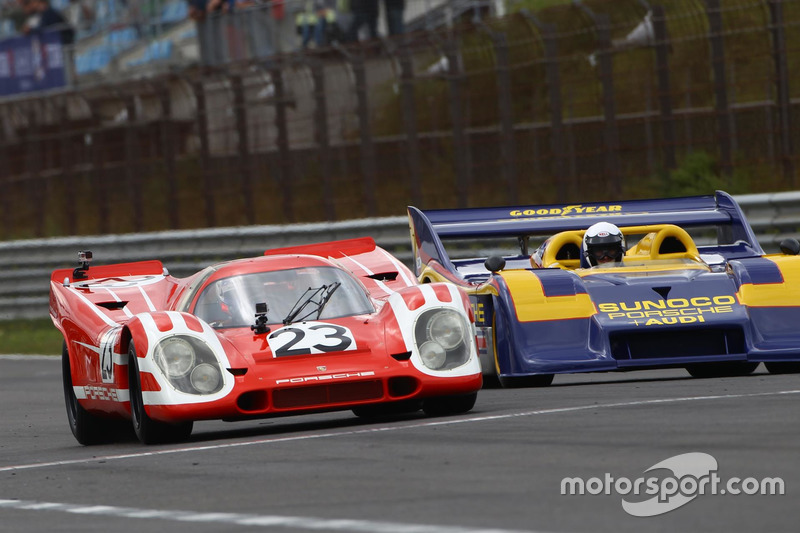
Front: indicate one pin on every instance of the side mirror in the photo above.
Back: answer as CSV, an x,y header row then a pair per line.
x,y
494,263
790,247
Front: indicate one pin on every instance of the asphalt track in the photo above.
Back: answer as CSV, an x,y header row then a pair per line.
x,y
499,467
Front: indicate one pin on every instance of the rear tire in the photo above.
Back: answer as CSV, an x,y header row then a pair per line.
x,y
721,370
87,428
147,430
449,405
783,367
516,382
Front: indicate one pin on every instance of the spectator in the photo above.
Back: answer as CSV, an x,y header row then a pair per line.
x,y
210,30
365,12
317,21
45,18
82,18
16,12
394,16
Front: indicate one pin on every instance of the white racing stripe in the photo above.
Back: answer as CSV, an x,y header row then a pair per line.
x,y
229,519
396,427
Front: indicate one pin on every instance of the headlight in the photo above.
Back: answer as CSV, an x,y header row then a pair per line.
x,y
205,378
447,329
443,339
175,356
433,355
189,364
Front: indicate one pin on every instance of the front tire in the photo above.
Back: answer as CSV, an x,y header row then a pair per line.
x,y
87,428
147,430
449,405
721,370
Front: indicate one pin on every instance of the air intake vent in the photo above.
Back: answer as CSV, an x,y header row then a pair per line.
x,y
322,395
662,291
677,343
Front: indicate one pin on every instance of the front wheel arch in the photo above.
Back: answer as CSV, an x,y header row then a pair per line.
x,y
147,430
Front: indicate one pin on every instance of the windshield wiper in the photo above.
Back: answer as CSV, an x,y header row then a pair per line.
x,y
323,294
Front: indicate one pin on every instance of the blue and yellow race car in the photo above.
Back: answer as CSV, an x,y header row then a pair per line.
x,y
688,285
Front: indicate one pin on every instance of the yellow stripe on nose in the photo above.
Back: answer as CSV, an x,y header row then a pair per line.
x,y
532,305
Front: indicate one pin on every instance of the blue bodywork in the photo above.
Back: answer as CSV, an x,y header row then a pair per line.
x,y
730,304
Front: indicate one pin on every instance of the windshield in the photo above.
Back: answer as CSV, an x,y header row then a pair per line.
x,y
231,302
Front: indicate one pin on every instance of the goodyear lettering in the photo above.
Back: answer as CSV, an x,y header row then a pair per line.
x,y
566,210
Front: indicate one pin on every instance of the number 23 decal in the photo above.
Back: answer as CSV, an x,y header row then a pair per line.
x,y
310,337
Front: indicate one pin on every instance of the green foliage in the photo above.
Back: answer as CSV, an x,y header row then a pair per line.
x,y
29,337
698,174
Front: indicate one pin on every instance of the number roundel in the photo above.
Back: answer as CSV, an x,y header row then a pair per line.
x,y
310,338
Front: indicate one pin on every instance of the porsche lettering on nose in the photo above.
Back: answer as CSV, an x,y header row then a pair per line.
x,y
324,377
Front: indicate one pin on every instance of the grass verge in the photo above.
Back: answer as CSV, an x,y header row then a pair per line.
x,y
29,337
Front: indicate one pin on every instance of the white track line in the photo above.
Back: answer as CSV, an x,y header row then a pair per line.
x,y
229,519
394,427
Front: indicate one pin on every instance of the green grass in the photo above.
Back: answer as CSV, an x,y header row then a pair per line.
x,y
30,337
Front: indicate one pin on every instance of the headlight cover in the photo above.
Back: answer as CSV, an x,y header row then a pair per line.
x,y
443,339
189,364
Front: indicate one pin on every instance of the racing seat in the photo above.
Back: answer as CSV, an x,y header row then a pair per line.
x,y
563,250
666,242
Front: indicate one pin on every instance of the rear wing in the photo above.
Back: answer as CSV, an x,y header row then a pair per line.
x,y
428,228
139,268
343,248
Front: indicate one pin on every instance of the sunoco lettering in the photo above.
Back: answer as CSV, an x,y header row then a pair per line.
x,y
324,377
673,303
566,210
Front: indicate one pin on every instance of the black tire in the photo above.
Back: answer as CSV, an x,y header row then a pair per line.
x,y
516,382
378,410
87,428
147,430
449,405
721,370
783,367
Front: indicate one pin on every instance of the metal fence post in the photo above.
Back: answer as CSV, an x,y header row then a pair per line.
x,y
722,107
409,112
777,31
67,175
322,137
461,152
553,80
201,116
240,111
34,159
5,198
605,65
132,173
508,164
367,145
168,144
664,91
285,175
97,140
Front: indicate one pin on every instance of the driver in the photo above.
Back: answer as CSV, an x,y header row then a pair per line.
x,y
603,243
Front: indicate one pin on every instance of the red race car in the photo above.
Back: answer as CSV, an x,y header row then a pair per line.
x,y
323,327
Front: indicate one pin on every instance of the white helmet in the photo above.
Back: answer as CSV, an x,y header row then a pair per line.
x,y
603,242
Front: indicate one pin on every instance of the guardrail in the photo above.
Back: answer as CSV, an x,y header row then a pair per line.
x,y
27,264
